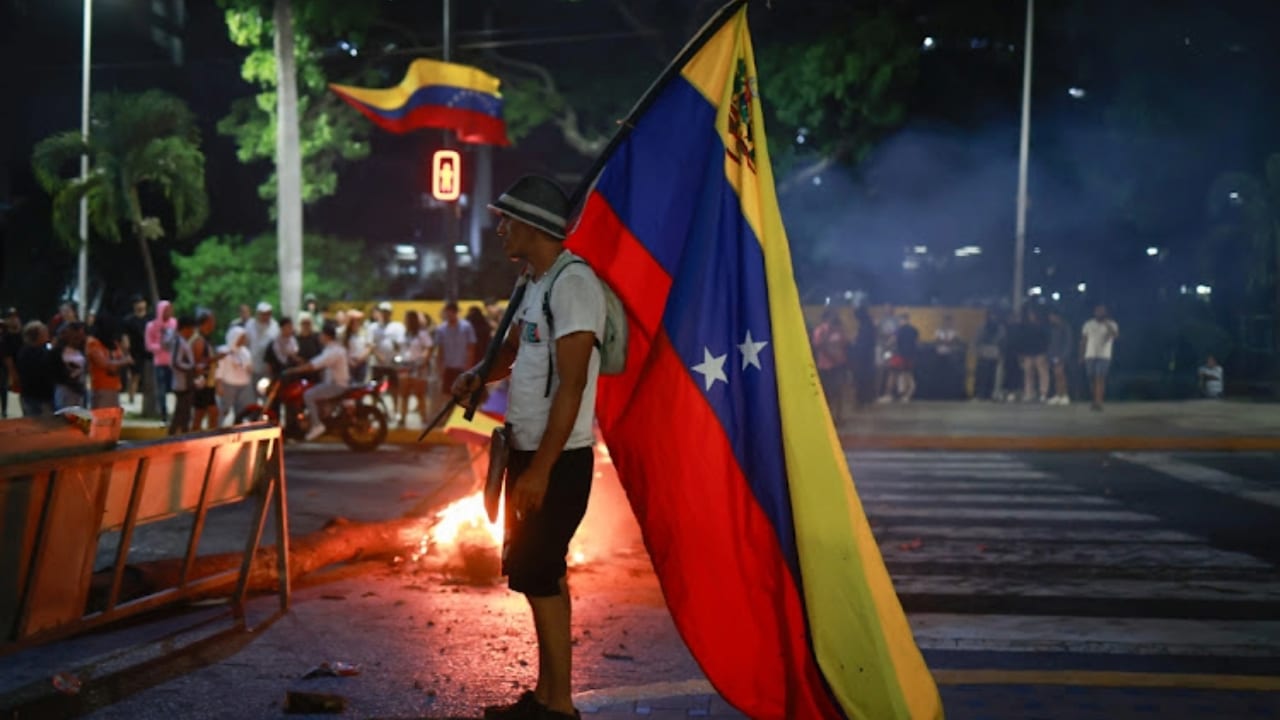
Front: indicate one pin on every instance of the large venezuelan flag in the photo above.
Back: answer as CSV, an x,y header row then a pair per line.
x,y
435,94
718,426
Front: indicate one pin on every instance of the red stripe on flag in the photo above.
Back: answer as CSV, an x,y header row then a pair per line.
x,y
726,582
639,281
471,126
716,554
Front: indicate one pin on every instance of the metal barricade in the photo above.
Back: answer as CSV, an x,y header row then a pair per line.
x,y
53,511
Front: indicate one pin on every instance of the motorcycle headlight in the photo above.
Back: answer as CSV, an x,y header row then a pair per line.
x,y
263,385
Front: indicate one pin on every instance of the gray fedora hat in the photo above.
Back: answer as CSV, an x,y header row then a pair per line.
x,y
536,201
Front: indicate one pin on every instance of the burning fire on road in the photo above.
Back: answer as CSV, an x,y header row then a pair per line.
x,y
460,543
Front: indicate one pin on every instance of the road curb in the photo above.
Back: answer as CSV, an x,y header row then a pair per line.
x,y
394,437
1060,443
971,443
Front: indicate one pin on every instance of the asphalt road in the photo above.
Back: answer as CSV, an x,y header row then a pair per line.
x,y
1166,560
1147,562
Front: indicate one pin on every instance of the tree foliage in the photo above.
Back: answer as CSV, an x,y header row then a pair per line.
x,y
841,91
1246,207
142,147
330,133
222,272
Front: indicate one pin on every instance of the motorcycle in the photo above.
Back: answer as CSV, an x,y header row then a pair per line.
x,y
356,415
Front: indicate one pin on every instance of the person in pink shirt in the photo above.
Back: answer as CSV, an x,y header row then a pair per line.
x,y
159,338
831,356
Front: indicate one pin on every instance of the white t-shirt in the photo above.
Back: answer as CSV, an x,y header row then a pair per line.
x,y
1213,377
333,358
577,304
236,367
1099,336
386,341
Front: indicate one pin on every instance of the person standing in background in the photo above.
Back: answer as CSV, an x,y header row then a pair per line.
x,y
1211,378
1034,356
70,367
107,363
262,331
1097,339
135,329
386,340
863,358
159,335
831,357
184,365
235,376
1059,354
34,364
10,345
417,353
987,375
204,397
455,347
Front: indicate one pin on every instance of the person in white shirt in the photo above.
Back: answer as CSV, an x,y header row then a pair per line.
x,y
332,360
550,414
415,364
235,375
262,331
386,340
1211,378
1096,341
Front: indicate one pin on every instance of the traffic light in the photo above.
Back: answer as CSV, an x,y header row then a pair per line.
x,y
446,175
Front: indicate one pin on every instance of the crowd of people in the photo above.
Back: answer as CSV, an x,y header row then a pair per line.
x,y
1030,357
212,373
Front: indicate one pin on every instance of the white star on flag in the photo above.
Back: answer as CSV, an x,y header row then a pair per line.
x,y
711,368
751,352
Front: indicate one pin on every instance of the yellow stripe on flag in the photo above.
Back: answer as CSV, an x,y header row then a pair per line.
x,y
422,73
860,634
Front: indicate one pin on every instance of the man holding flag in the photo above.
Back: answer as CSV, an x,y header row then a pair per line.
x,y
717,425
550,420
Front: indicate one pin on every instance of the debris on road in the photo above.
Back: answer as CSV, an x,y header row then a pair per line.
x,y
332,669
297,702
66,683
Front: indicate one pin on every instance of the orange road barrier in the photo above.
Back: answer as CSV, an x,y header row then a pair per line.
x,y
54,508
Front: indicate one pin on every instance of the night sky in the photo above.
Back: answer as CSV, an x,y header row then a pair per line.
x,y
1145,102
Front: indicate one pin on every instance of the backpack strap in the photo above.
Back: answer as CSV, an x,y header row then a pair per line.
x,y
551,322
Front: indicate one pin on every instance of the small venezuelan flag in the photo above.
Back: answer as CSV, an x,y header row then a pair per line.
x,y
438,95
718,425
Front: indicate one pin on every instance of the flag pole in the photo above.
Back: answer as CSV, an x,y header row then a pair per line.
x,y
490,357
682,58
625,126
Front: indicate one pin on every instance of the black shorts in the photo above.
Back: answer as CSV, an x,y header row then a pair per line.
x,y
205,397
535,547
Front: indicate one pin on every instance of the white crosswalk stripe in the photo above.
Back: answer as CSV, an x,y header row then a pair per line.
x,y
993,530
1206,477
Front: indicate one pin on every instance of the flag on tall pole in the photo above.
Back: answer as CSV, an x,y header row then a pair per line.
x,y
718,426
435,94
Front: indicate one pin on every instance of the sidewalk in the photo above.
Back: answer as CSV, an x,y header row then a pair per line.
x,y
1174,425
1180,425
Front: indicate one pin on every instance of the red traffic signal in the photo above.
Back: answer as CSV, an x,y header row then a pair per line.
x,y
446,175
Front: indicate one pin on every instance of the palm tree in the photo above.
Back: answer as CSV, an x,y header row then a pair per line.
x,y
138,144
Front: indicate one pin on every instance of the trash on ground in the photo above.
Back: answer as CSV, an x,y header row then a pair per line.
x,y
308,702
332,669
66,683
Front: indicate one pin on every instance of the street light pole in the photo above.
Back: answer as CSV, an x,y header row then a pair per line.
x,y
1024,146
84,160
452,208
